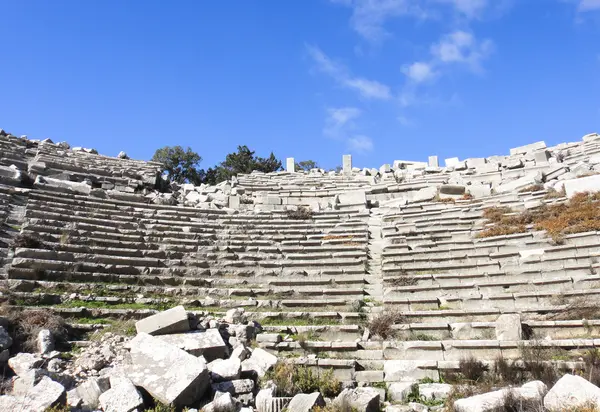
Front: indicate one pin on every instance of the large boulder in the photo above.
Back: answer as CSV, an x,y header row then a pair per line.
x,y
529,395
174,320
87,394
168,373
225,370
305,402
44,395
23,362
359,399
121,397
571,391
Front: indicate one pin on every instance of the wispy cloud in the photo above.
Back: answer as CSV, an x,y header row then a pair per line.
x,y
462,47
369,89
588,5
339,120
419,71
360,144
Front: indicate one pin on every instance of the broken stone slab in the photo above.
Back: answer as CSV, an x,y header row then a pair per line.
x,y
45,341
207,343
259,362
235,316
571,391
45,182
399,391
409,370
582,184
234,387
360,399
508,327
23,362
174,320
122,396
452,190
425,194
44,395
88,393
224,402
435,391
305,402
590,137
528,148
529,395
225,370
167,372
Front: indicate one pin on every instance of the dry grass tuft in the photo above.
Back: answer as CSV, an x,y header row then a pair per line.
x,y
24,326
382,324
302,213
532,188
294,379
580,214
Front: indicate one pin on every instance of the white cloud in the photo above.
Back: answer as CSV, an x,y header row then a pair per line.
x,y
360,144
340,119
369,89
462,47
419,71
589,5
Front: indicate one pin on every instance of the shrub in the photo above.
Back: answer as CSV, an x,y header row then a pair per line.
x,y
507,372
471,369
536,359
26,241
592,366
293,379
24,326
302,213
381,324
403,281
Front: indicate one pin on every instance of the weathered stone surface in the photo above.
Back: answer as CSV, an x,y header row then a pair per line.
x,y
168,373
398,391
5,339
529,395
582,184
435,391
508,327
174,320
260,362
50,183
225,370
528,148
224,402
24,362
571,391
121,397
45,341
208,343
359,399
234,387
235,315
408,370
43,396
305,402
89,392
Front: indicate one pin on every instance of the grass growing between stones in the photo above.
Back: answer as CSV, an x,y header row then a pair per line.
x,y
94,304
120,327
293,379
580,214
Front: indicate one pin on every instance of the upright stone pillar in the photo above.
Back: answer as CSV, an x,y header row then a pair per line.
x,y
290,164
347,164
433,161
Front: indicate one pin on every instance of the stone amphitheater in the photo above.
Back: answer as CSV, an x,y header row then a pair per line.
x,y
318,254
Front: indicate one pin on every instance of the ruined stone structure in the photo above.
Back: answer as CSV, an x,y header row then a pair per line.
x,y
310,252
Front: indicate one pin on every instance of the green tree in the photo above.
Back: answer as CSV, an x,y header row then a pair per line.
x,y
244,161
306,165
180,165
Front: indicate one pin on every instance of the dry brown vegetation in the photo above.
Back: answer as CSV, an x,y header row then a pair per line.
x,y
24,326
293,379
580,214
382,324
532,188
302,213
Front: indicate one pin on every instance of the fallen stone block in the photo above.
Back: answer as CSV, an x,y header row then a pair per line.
x,y
208,343
425,194
23,362
235,387
88,393
260,362
399,391
168,373
409,370
456,190
508,327
121,397
43,396
571,391
529,395
224,402
434,391
174,320
45,182
305,402
225,370
582,184
359,399
528,148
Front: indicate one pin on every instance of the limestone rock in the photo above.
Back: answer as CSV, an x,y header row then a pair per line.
x,y
121,397
225,370
122,155
305,402
168,373
529,395
571,391
234,387
43,396
260,362
236,315
89,392
174,320
398,391
24,362
208,343
360,399
222,403
45,341
434,391
508,327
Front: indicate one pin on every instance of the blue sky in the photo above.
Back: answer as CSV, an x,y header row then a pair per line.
x,y
310,79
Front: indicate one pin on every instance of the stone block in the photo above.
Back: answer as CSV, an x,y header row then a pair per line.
x,y
89,392
305,402
583,184
174,320
435,391
399,391
529,396
234,387
425,194
409,370
234,202
478,191
290,165
168,373
432,161
590,137
121,397
570,392
541,157
259,362
475,162
359,399
225,369
45,395
452,190
50,183
347,164
23,362
508,327
208,343
528,148
451,162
